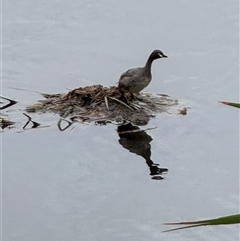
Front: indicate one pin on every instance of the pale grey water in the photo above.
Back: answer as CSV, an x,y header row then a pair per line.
x,y
81,184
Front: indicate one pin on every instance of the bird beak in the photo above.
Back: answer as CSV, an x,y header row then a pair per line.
x,y
162,55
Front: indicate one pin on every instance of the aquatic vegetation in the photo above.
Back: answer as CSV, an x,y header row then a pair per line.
x,y
225,220
5,123
98,103
233,104
232,219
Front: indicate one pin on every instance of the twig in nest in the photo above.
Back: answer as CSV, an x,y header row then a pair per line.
x,y
106,102
119,101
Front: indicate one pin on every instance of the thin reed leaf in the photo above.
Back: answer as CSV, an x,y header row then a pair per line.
x,y
225,220
233,104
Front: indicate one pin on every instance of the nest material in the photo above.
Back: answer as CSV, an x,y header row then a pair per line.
x,y
98,103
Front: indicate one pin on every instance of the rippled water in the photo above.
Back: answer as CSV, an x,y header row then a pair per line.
x,y
91,182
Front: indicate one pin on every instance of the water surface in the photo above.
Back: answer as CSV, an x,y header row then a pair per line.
x,y
83,184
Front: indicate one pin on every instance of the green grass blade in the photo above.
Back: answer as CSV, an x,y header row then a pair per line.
x,y
234,104
189,226
232,219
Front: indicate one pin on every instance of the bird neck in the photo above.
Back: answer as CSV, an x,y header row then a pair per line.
x,y
148,66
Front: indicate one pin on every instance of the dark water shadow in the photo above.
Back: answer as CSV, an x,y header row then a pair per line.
x,y
138,141
6,105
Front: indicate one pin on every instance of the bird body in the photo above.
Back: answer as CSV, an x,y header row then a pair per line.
x,y
136,79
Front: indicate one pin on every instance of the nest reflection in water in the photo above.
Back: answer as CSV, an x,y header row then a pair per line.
x,y
90,105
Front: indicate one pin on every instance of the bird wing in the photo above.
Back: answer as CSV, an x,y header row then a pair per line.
x,y
124,82
128,78
130,73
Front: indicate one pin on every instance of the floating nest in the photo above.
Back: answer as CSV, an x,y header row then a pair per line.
x,y
103,104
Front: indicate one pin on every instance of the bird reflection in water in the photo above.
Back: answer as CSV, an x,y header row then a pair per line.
x,y
138,141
